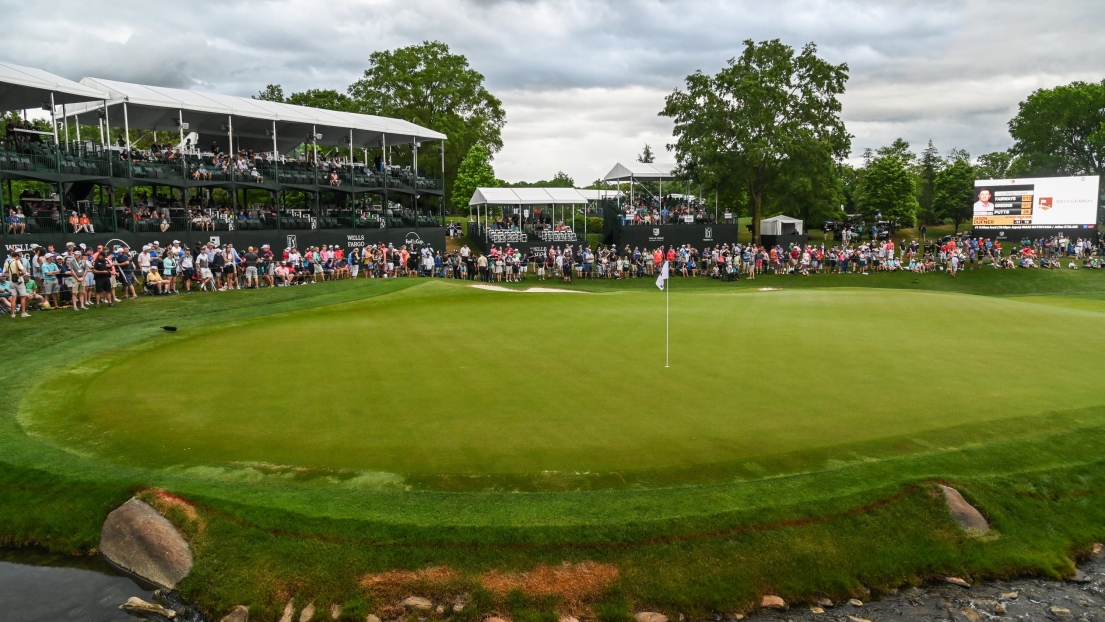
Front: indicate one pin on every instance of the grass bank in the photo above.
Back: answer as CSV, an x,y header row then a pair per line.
x,y
832,517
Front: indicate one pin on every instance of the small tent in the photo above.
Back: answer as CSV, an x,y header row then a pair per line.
x,y
781,225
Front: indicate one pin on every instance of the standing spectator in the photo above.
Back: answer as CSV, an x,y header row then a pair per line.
x,y
17,276
50,286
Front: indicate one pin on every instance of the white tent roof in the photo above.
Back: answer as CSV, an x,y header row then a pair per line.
x,y
774,225
157,108
640,171
537,196
26,87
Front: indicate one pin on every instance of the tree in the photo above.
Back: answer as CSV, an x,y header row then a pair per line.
x,y
899,149
562,180
428,85
646,155
767,117
1061,131
995,165
475,171
888,190
328,99
271,93
955,192
928,166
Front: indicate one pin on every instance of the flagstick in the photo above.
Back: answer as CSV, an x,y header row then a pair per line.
x,y
667,320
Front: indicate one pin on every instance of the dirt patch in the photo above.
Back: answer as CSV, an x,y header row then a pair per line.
x,y
396,583
164,500
574,583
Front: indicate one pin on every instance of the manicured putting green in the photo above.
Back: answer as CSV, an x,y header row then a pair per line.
x,y
447,380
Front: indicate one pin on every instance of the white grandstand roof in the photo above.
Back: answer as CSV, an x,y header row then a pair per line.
x,y
640,171
537,196
23,88
157,108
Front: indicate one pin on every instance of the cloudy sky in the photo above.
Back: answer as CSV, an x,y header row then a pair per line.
x,y
582,80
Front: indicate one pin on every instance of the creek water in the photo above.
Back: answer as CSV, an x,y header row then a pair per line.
x,y
40,587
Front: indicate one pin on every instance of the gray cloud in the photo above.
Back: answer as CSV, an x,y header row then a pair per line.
x,y
582,80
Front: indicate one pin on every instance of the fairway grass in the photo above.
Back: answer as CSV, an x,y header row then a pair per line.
x,y
325,432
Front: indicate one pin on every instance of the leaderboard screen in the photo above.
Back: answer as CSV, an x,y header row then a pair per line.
x,y
1038,203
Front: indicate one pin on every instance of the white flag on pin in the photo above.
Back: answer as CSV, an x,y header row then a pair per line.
x,y
660,280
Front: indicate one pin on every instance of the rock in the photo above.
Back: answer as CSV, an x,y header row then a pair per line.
x,y
1010,595
440,609
825,602
738,616
855,602
1097,548
307,613
137,605
372,618
460,604
650,616
335,611
968,517
817,610
417,602
139,540
569,619
957,581
999,609
972,615
857,619
494,620
1062,612
1079,577
289,611
773,602
238,614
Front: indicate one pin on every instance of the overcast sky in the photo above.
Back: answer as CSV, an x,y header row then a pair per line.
x,y
582,81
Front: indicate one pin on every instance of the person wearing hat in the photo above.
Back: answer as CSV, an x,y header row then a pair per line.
x,y
17,275
50,286
155,281
124,265
101,276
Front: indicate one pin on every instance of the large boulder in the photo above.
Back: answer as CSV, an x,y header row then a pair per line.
x,y
144,543
968,517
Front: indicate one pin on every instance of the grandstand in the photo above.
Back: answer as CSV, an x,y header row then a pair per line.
x,y
532,218
328,177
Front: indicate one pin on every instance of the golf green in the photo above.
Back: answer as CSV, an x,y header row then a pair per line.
x,y
444,380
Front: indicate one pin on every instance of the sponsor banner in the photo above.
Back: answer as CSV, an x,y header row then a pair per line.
x,y
651,236
348,239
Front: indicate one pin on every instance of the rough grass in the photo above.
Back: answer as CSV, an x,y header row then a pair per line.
x,y
866,518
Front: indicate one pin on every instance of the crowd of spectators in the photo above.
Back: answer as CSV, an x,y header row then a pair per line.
x,y
667,212
79,276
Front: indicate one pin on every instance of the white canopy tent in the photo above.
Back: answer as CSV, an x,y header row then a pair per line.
x,y
777,224
518,197
641,171
243,122
26,87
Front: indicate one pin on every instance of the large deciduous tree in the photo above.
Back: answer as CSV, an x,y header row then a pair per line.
x,y
428,85
995,165
1061,131
954,191
769,115
888,190
475,171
